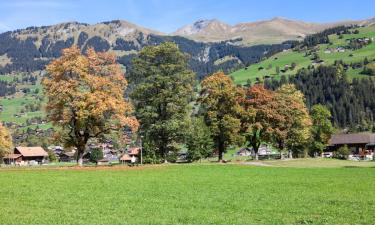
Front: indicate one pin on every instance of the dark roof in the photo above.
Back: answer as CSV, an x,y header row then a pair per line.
x,y
69,154
357,138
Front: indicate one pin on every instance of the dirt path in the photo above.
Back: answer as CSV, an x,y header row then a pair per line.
x,y
255,164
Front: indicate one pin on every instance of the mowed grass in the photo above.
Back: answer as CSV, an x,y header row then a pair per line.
x,y
288,57
189,194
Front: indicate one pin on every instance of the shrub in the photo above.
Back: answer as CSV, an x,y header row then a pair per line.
x,y
96,155
342,153
51,156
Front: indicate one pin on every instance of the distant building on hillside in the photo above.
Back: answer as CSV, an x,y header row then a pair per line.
x,y
26,156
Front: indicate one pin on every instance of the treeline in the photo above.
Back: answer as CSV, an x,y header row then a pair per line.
x,y
223,115
322,37
352,103
6,89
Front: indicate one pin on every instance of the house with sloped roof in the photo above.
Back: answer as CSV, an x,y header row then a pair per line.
x,y
360,144
131,152
26,156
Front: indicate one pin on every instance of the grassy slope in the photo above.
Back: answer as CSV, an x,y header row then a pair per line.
x,y
13,104
189,194
283,58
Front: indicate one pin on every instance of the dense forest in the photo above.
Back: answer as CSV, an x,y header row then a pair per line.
x,y
351,103
6,89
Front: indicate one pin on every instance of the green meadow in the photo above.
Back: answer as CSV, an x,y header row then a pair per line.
x,y
288,57
292,193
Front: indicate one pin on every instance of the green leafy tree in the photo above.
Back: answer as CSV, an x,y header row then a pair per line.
x,y
96,155
51,156
199,142
321,129
163,87
221,110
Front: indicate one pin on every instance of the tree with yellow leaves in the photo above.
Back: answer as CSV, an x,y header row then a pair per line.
x,y
219,101
5,141
85,97
294,132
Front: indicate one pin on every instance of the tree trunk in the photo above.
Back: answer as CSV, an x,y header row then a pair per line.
x,y
290,154
80,152
80,157
221,150
256,149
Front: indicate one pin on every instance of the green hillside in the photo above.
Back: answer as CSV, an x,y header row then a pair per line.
x,y
24,109
267,67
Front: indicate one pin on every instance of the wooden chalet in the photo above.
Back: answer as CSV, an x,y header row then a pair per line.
x,y
26,156
360,144
134,151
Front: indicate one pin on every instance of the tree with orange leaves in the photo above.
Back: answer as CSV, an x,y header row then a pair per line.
x,y
265,121
219,102
85,97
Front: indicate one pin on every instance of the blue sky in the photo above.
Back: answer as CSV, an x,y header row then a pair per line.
x,y
168,15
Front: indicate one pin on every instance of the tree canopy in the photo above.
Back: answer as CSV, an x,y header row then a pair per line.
x,y
85,97
322,129
6,144
294,131
221,109
163,88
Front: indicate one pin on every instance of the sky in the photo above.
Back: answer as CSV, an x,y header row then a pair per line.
x,y
169,15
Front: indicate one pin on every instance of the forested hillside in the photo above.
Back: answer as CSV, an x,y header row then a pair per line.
x,y
351,102
31,49
354,47
335,68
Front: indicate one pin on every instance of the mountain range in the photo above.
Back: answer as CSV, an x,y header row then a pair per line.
x,y
272,31
211,44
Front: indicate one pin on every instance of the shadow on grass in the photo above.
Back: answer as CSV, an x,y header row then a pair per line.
x,y
373,167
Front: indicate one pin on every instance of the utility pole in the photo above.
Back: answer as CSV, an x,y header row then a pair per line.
x,y
141,151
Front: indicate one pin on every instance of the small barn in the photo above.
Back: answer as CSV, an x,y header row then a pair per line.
x,y
26,156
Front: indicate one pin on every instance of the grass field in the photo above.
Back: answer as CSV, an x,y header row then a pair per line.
x,y
191,194
283,58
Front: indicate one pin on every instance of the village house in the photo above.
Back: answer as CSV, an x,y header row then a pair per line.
x,y
362,145
67,157
26,156
134,151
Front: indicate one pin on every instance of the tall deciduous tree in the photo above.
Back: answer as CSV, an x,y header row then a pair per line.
x,y
294,131
265,122
219,102
6,144
199,142
322,129
163,87
85,97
